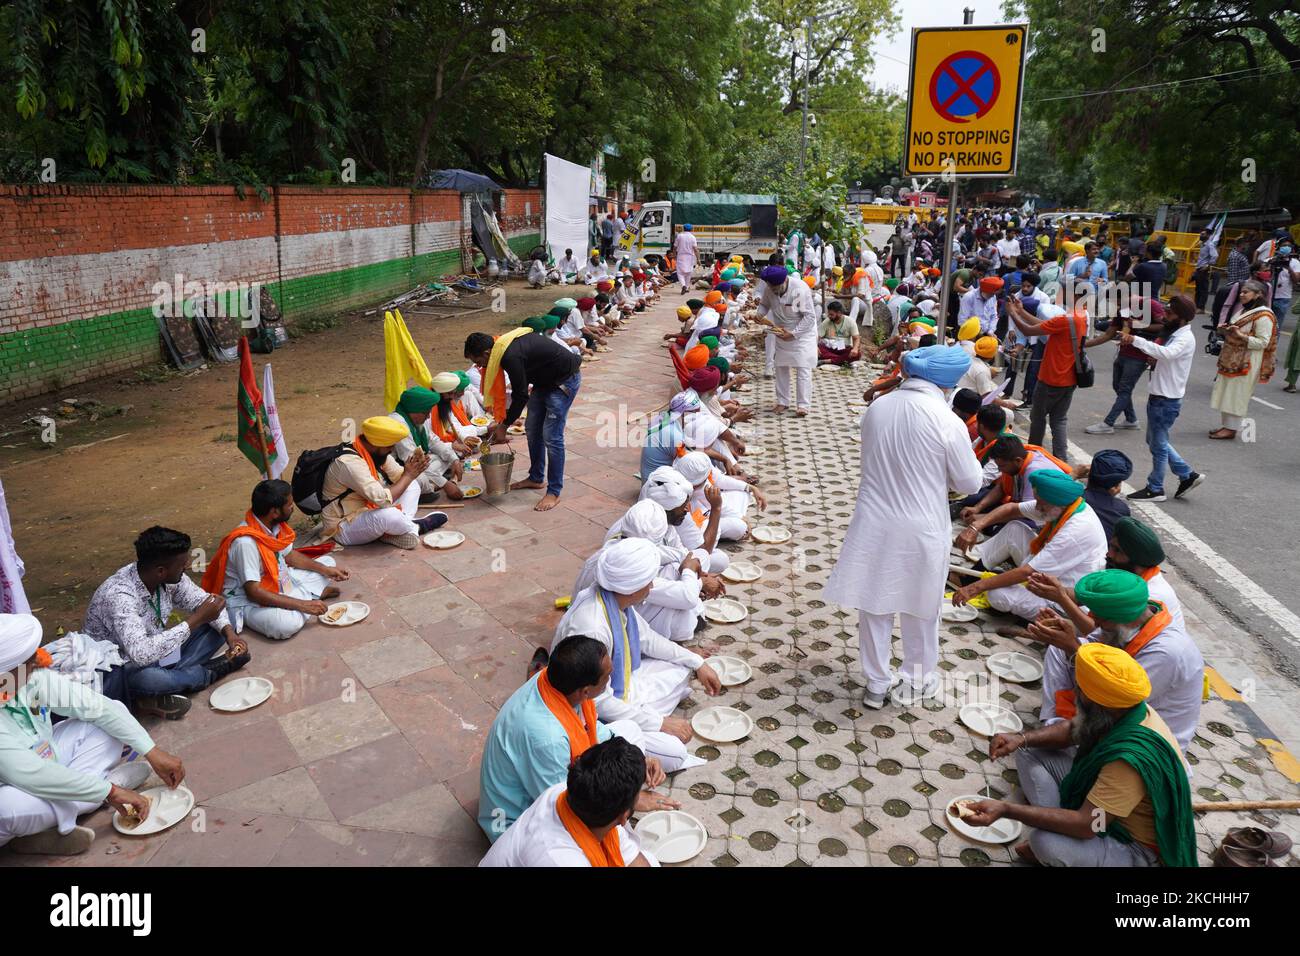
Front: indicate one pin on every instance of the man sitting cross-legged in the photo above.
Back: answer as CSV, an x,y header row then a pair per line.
x,y
50,774
262,577
583,820
362,507
1069,544
676,602
547,724
651,673
133,609
1122,797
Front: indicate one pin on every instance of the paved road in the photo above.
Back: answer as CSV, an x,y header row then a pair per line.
x,y
1247,510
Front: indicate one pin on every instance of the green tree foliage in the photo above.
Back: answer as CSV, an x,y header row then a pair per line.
x,y
1147,99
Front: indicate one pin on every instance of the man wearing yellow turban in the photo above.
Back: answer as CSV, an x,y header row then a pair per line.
x,y
368,496
1119,608
1069,544
1107,788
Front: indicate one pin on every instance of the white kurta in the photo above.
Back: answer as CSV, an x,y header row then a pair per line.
x,y
1077,549
895,553
538,838
674,604
792,310
657,686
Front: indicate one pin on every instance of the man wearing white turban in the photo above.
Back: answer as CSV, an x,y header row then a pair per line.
x,y
696,468
676,601
651,674
895,554
49,775
667,486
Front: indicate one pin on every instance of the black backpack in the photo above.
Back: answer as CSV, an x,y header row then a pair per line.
x,y
309,477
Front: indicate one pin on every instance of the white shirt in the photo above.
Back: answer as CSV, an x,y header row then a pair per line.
x,y
1283,288
1173,362
1077,549
587,617
538,838
568,265
1008,249
794,311
895,554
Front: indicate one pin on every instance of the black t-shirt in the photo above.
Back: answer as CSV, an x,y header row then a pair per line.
x,y
1149,276
535,360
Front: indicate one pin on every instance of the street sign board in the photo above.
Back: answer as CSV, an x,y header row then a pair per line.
x,y
963,103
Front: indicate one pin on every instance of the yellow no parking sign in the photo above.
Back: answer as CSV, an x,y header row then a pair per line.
x,y
963,104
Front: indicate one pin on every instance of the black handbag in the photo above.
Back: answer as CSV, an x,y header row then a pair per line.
x,y
1084,373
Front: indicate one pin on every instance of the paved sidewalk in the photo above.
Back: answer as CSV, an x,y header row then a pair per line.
x,y
368,752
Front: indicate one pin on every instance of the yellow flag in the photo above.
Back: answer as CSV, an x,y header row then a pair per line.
x,y
403,364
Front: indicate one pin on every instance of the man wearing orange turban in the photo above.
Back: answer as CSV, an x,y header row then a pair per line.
x,y
697,357
981,302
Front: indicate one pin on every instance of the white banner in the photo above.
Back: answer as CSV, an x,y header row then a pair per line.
x,y
281,461
567,215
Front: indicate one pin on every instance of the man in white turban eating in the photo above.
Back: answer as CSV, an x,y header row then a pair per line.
x,y
651,674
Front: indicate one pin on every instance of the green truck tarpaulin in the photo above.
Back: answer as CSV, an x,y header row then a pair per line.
x,y
715,209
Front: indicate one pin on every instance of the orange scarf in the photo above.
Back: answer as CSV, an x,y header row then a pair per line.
x,y
458,409
442,431
1008,489
268,547
1065,706
370,463
1049,530
1150,573
582,733
603,853
493,380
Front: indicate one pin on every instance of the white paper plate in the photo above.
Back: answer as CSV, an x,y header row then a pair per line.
x,y
473,465
989,719
515,430
167,808
480,421
725,610
955,614
730,670
243,694
1003,831
472,492
742,572
356,611
722,725
673,836
1015,667
770,533
754,450
443,540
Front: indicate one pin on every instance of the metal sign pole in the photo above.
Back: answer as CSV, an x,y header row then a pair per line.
x,y
949,261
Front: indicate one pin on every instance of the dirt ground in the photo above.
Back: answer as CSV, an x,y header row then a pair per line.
x,y
163,450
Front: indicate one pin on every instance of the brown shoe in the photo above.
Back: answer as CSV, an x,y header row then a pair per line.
x,y
1223,434
1269,842
1231,856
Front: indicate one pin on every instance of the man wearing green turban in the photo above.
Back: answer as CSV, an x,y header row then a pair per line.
x,y
1070,543
535,322
1118,607
711,342
444,470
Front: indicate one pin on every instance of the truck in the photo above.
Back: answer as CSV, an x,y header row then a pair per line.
x,y
728,223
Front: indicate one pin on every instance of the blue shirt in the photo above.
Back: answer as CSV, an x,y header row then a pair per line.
x,y
1092,273
661,444
527,751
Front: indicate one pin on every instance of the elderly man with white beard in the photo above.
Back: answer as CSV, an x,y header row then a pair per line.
x,y
895,555
651,674
675,605
670,489
1122,611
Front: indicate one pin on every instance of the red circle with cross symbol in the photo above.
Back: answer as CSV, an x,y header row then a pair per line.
x,y
965,86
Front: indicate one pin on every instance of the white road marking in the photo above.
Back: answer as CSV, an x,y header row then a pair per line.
x,y
1240,582
1256,398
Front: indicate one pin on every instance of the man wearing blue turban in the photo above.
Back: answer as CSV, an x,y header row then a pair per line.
x,y
786,307
895,555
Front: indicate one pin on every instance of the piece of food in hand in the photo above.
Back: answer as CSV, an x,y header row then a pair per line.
x,y
132,818
961,810
333,615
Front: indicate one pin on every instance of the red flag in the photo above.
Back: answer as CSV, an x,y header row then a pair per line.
x,y
252,424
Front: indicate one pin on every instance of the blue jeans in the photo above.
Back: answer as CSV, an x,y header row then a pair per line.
x,y
1161,414
1124,378
186,675
548,410
1281,308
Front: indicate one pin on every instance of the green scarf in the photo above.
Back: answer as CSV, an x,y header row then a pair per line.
x,y
1162,774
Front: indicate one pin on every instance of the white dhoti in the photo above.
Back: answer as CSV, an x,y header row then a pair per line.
x,y
375,523
920,651
1058,675
671,752
279,623
81,746
802,383
1011,543
769,353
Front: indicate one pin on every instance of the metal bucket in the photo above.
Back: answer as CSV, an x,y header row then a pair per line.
x,y
497,466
